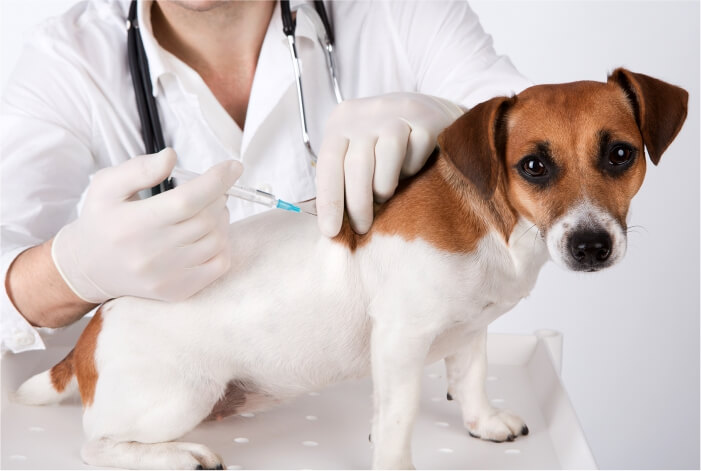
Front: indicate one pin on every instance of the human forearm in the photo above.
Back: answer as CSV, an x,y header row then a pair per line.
x,y
38,291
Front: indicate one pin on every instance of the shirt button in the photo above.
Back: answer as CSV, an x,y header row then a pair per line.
x,y
22,339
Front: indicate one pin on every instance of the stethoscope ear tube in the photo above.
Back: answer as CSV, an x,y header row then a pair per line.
x,y
288,23
324,35
141,78
319,6
325,38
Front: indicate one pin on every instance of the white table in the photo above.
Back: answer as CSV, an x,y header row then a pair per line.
x,y
329,429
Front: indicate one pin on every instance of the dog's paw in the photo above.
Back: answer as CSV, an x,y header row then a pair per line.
x,y
136,455
206,458
497,426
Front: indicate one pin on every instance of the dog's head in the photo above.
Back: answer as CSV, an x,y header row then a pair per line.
x,y
569,157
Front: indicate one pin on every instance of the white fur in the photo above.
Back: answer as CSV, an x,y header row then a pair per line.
x,y
298,312
39,390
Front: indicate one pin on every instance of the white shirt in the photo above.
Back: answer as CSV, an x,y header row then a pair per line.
x,y
69,108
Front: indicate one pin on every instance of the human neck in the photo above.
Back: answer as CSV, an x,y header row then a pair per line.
x,y
232,32
222,44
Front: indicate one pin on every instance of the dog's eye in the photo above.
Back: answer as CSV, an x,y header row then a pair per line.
x,y
620,154
534,167
538,168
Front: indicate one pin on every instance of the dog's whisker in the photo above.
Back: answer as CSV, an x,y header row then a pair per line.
x,y
535,239
635,230
525,232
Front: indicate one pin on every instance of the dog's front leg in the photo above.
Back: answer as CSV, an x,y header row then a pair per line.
x,y
467,374
398,356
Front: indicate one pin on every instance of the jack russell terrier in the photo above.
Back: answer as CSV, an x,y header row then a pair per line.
x,y
548,173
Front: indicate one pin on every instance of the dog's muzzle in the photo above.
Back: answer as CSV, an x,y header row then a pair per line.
x,y
586,238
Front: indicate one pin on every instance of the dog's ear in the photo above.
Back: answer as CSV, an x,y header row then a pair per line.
x,y
474,144
660,108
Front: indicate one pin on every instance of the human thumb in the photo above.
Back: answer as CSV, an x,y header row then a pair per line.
x,y
134,175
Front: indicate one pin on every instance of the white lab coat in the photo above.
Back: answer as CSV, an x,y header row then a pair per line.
x,y
69,108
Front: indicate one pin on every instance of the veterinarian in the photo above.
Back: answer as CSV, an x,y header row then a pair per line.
x,y
74,231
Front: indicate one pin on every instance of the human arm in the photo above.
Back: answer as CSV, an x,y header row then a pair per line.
x,y
449,54
167,247
45,163
54,304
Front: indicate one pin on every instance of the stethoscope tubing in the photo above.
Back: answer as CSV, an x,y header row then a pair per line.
x,y
151,130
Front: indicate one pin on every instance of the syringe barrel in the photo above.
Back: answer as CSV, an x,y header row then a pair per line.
x,y
249,194
255,196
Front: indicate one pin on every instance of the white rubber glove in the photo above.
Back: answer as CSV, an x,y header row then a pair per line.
x,y
166,247
369,143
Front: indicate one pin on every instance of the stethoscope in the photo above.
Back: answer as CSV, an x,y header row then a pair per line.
x,y
151,130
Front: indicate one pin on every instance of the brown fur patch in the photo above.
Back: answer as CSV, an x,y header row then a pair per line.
x,y
84,359
62,373
234,397
439,208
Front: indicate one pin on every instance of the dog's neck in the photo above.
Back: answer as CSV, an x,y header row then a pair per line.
x,y
439,206
497,213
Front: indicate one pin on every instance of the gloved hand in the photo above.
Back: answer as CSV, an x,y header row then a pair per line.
x,y
166,247
368,144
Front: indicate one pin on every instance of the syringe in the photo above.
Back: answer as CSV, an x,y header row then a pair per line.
x,y
249,194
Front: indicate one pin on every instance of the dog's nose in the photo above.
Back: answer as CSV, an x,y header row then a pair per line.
x,y
590,248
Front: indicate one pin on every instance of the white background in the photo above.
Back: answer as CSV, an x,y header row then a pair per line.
x,y
631,354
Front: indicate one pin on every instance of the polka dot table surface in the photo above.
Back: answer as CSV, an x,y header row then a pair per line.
x,y
329,429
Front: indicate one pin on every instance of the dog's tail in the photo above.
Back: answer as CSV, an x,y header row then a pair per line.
x,y
49,387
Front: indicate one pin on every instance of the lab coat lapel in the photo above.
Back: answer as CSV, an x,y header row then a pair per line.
x,y
273,78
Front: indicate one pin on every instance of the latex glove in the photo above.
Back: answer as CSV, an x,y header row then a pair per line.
x,y
368,144
166,247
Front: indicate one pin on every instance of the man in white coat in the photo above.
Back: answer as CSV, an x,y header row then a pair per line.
x,y
74,232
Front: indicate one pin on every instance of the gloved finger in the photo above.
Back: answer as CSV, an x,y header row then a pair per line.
x,y
124,180
421,144
193,280
191,197
329,184
390,153
170,257
188,231
359,167
207,247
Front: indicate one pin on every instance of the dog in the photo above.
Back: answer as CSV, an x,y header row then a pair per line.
x,y
548,173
